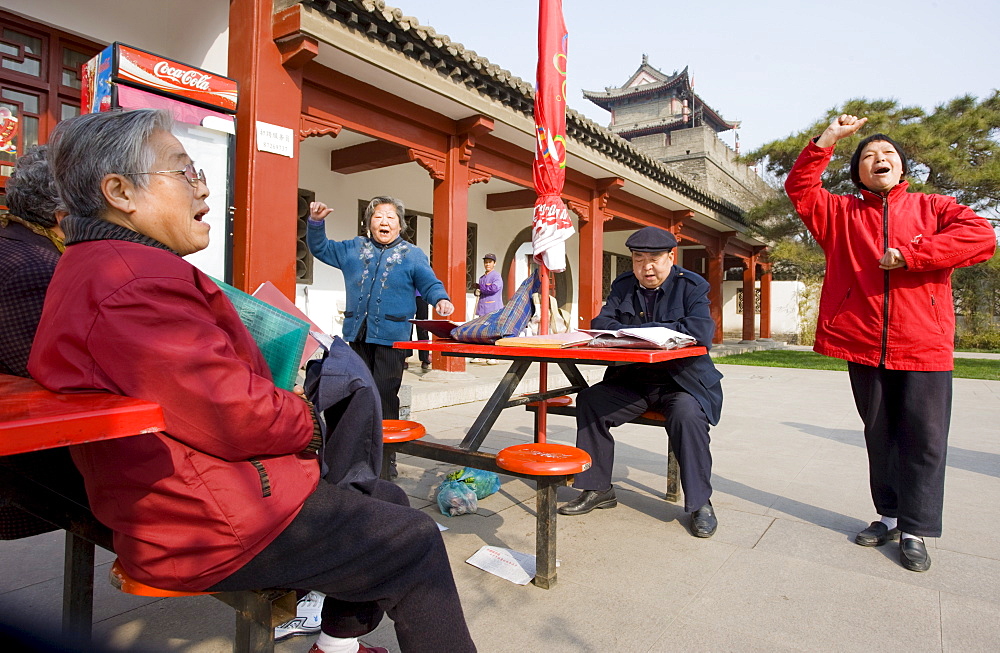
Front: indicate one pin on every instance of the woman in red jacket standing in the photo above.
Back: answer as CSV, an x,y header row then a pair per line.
x,y
886,308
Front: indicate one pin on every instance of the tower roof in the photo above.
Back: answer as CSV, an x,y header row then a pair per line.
x,y
648,82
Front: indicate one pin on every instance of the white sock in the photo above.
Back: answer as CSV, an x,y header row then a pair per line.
x,y
329,644
890,522
907,536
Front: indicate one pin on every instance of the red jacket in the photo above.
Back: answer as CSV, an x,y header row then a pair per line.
x,y
188,506
903,318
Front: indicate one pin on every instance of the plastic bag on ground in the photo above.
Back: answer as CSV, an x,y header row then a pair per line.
x,y
484,483
456,498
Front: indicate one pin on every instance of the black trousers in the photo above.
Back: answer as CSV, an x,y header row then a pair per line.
x,y
423,310
907,417
386,365
612,403
370,555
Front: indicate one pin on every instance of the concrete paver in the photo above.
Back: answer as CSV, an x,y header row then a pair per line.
x,y
781,574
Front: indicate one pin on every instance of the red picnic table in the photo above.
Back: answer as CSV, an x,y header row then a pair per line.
x,y
467,452
522,358
32,419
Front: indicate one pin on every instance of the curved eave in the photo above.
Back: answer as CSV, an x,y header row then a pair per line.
x,y
437,52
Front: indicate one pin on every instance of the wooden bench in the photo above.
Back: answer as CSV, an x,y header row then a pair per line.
x,y
649,418
32,418
545,495
257,612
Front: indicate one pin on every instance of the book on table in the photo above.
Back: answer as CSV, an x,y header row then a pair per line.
x,y
440,328
549,341
639,338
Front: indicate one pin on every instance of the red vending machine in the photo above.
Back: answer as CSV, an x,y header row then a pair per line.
x,y
203,105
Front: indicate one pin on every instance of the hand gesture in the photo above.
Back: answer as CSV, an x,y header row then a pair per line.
x,y
892,259
842,126
318,211
444,308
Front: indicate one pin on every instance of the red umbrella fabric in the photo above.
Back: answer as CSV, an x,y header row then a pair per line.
x,y
551,225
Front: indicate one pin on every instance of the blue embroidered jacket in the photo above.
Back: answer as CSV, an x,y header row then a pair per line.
x,y
380,281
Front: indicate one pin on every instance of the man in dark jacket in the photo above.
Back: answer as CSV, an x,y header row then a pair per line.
x,y
688,391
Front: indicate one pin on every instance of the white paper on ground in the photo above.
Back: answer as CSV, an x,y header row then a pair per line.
x,y
517,567
441,527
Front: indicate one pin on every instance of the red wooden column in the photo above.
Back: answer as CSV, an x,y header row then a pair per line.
x,y
715,257
592,218
749,297
269,75
452,176
765,301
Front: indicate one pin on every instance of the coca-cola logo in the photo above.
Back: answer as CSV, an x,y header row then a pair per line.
x,y
190,78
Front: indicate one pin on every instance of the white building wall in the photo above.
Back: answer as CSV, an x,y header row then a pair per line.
x,y
784,307
194,32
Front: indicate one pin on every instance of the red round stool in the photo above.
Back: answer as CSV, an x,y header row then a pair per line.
x,y
122,581
401,430
544,459
554,401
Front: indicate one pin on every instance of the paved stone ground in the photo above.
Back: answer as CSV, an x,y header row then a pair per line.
x,y
781,574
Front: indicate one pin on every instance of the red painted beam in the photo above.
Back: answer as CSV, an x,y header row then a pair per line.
x,y
515,199
367,156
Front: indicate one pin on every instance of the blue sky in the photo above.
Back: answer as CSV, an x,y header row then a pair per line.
x,y
775,65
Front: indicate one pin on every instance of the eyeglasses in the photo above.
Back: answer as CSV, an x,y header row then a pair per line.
x,y
190,174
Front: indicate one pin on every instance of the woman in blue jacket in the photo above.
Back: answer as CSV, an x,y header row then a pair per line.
x,y
381,272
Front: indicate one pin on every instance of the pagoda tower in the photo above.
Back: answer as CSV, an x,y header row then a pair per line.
x,y
665,119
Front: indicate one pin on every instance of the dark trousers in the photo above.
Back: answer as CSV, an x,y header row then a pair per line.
x,y
386,365
613,403
906,416
370,555
423,310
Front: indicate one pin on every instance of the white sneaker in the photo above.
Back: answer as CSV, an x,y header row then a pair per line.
x,y
308,613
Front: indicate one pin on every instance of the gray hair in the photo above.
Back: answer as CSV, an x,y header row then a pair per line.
x,y
87,148
31,190
385,199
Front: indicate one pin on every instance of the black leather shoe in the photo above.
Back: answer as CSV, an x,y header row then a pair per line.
x,y
913,554
703,521
876,534
590,499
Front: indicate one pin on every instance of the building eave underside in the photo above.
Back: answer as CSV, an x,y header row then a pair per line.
x,y
451,60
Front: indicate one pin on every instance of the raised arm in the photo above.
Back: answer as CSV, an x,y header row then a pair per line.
x,y
814,204
842,126
323,248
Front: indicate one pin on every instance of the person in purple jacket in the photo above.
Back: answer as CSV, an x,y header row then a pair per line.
x,y
490,289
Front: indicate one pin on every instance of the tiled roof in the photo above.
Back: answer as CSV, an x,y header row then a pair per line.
x,y
389,26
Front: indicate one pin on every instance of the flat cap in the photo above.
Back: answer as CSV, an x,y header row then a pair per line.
x,y
490,257
651,239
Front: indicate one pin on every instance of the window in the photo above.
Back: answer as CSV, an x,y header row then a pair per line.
x,y
303,257
739,301
39,83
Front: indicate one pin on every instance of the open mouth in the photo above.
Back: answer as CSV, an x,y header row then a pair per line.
x,y
199,216
881,170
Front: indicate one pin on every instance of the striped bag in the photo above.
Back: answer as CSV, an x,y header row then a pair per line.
x,y
508,321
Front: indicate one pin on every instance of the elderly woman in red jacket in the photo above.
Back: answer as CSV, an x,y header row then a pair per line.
x,y
886,308
230,496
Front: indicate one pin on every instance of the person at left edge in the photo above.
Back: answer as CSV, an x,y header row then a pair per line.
x,y
381,274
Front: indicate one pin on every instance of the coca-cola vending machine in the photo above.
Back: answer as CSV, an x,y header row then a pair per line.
x,y
203,105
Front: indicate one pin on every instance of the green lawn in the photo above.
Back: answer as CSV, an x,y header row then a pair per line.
x,y
965,368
